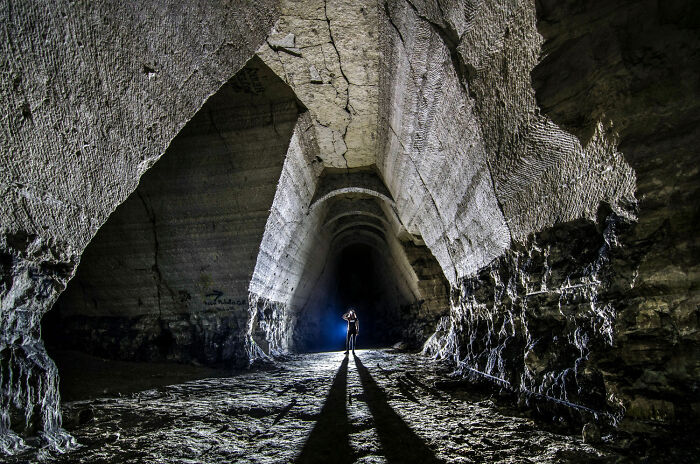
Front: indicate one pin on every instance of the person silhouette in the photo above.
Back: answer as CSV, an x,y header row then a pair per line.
x,y
353,330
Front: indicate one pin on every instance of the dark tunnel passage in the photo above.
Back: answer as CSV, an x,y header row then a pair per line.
x,y
361,277
162,292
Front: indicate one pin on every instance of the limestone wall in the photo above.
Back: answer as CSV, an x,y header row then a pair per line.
x,y
167,277
92,93
631,67
469,158
432,156
595,77
490,181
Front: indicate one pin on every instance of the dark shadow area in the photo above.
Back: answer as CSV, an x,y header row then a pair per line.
x,y
84,376
363,278
400,444
362,286
329,439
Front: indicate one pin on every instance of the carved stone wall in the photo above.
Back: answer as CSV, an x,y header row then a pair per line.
x,y
92,93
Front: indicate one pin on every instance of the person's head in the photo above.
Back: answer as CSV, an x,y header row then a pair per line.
x,y
351,312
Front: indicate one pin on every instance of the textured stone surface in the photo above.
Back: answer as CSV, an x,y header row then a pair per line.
x,y
542,176
333,70
316,408
630,65
508,178
136,295
432,156
100,88
91,95
541,317
467,157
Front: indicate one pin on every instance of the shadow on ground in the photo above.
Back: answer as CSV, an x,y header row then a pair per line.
x,y
329,439
399,443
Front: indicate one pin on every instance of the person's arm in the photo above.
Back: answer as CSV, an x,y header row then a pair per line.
x,y
357,326
345,316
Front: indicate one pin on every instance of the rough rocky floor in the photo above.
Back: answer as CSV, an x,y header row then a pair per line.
x,y
325,407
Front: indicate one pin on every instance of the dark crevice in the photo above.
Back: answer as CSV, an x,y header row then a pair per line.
x,y
155,269
342,72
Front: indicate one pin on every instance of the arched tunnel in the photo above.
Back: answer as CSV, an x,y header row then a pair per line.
x,y
195,194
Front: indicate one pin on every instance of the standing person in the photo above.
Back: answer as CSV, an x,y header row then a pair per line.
x,y
353,330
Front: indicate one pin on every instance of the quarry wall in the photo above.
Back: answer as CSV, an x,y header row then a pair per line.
x,y
541,155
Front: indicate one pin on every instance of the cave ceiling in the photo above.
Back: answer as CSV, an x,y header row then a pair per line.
x,y
328,52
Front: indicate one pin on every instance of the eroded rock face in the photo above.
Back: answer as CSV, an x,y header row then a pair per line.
x,y
542,317
630,66
92,97
33,272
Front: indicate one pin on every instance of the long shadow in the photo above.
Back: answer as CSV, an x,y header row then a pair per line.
x,y
329,439
399,443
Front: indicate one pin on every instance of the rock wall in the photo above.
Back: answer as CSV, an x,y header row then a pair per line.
x,y
419,320
630,65
294,239
293,248
469,158
92,95
432,154
167,277
542,317
479,56
615,76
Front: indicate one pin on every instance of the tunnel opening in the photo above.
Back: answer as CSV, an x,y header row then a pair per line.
x,y
321,238
367,288
364,277
161,293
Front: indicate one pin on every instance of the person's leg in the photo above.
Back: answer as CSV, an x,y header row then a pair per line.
x,y
347,342
354,340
